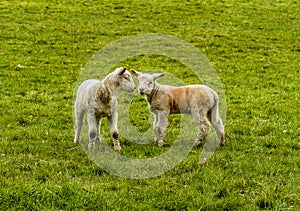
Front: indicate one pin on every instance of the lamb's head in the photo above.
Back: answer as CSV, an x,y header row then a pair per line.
x,y
146,82
125,80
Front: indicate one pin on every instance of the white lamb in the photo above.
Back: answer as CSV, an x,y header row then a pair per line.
x,y
198,100
99,99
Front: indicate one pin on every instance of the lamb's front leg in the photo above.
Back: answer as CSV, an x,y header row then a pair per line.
x,y
160,125
113,122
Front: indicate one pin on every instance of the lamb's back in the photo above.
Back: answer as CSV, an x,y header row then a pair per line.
x,y
87,91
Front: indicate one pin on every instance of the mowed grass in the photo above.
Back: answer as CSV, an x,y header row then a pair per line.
x,y
255,48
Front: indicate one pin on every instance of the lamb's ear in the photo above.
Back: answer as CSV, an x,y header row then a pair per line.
x,y
158,75
121,70
135,73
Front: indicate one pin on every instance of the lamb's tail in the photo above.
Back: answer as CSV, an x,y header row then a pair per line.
x,y
214,111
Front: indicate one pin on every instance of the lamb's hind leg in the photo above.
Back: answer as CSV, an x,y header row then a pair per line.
x,y
78,124
93,129
217,123
203,130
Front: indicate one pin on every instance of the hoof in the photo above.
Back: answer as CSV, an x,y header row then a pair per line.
x,y
222,141
117,147
198,143
76,141
161,143
203,162
222,144
91,146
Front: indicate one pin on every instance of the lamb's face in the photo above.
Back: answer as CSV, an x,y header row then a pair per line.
x,y
145,84
125,80
127,83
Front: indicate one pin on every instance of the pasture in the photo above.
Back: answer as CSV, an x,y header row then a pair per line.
x,y
253,45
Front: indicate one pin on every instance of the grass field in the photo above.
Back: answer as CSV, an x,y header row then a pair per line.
x,y
253,45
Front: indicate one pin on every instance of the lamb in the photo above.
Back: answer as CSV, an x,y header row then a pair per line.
x,y
99,99
198,100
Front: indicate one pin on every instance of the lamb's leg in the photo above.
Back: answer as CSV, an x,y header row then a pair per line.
x,y
217,123
78,124
203,130
113,122
154,126
160,127
219,127
93,128
97,139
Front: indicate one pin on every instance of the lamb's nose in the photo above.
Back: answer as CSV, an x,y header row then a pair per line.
x,y
142,91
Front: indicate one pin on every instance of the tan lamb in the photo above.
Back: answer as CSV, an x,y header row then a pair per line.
x,y
198,100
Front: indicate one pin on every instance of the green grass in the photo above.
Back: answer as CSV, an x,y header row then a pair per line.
x,y
255,48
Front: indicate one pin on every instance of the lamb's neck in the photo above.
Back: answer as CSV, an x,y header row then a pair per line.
x,y
156,89
111,86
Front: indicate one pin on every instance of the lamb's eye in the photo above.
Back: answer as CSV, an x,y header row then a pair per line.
x,y
150,82
127,78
